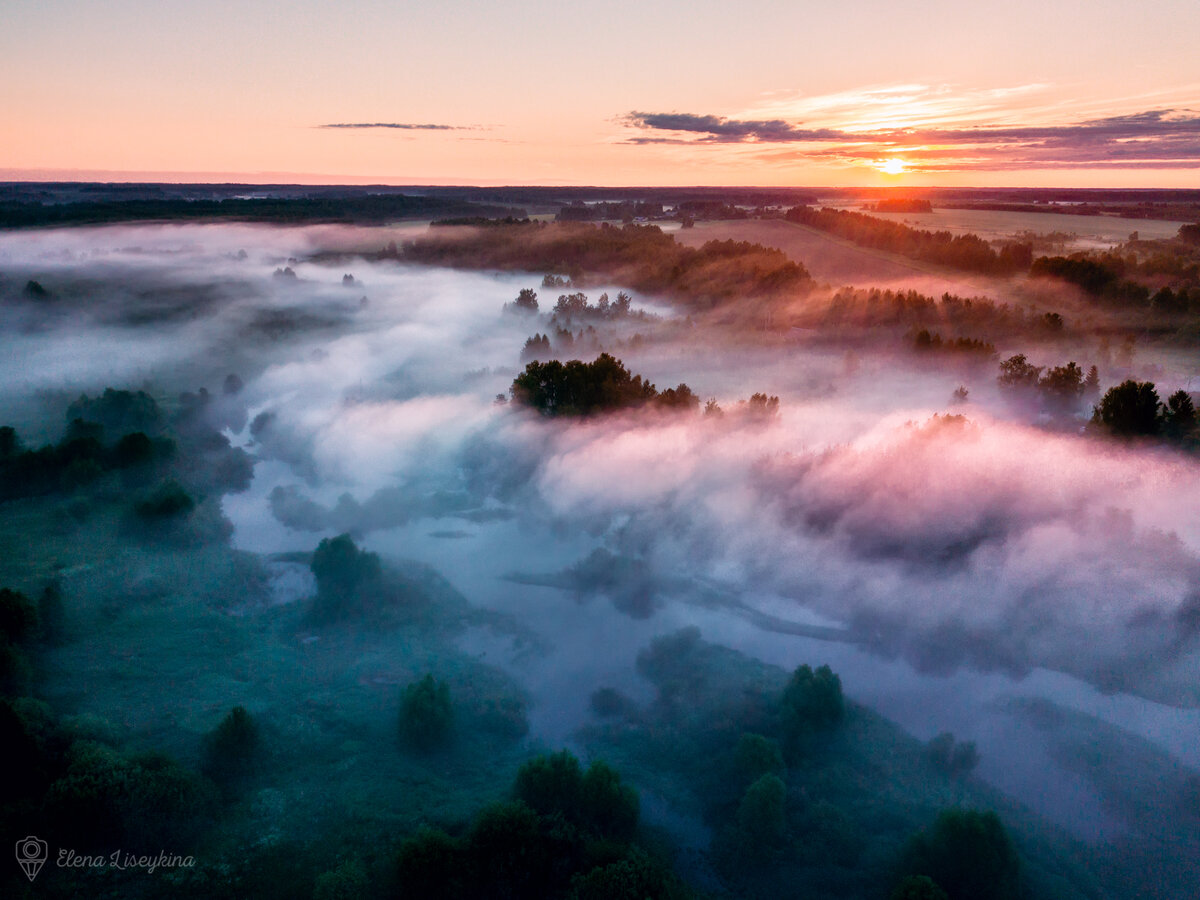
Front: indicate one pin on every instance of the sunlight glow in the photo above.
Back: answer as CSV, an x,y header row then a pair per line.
x,y
891,166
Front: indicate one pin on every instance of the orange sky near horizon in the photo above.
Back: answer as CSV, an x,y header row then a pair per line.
x,y
1100,94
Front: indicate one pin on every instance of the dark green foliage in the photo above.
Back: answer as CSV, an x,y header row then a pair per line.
x,y
1179,415
762,406
1062,387
610,702
812,702
969,855
348,579
526,302
932,342
514,853
119,412
679,397
18,616
918,887
607,806
10,443
35,291
430,866
341,207
426,715
52,615
963,251
551,784
168,501
757,755
760,817
1129,409
952,758
641,255
577,388
234,747
134,449
347,882
595,800
105,799
633,877
1017,373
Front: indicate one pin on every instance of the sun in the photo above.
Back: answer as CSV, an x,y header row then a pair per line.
x,y
891,166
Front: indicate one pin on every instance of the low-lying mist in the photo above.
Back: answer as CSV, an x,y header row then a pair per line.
x,y
945,556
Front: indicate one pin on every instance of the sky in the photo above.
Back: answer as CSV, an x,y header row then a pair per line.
x,y
1026,93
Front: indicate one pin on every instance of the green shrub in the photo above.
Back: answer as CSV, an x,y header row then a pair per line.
x,y
757,755
969,855
760,815
431,864
426,715
346,882
918,887
234,746
812,702
18,617
168,501
595,800
348,579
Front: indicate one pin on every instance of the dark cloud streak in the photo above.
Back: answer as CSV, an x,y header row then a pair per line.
x,y
1164,138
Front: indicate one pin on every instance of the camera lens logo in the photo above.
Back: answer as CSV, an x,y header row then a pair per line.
x,y
31,855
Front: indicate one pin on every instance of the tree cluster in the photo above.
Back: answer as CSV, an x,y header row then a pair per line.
x,y
963,251
566,832
925,341
1133,409
1060,390
641,256
577,388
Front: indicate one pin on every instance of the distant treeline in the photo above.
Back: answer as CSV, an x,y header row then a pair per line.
x,y
1110,277
962,251
873,308
641,256
290,210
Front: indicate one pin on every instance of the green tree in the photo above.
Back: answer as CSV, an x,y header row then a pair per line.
x,y
1129,409
347,578
1179,415
232,748
812,700
426,715
760,815
969,855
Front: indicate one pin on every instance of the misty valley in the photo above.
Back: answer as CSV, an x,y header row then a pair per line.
x,y
731,550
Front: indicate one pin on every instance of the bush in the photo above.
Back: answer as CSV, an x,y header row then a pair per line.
x,y
951,758
551,784
608,806
233,747
1129,409
633,877
918,887
969,854
426,715
812,702
52,616
169,500
346,882
430,864
756,756
347,578
760,816
18,617
595,800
